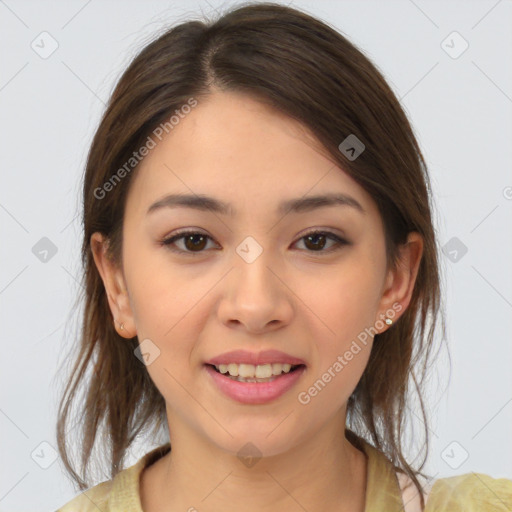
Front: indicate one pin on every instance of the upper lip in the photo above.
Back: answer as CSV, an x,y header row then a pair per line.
x,y
254,358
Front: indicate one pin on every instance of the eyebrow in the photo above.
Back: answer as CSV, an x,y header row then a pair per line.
x,y
298,205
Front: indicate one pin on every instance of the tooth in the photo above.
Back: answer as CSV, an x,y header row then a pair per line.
x,y
263,371
233,369
249,371
246,370
277,368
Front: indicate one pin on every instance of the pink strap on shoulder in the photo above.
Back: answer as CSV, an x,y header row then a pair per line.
x,y
410,495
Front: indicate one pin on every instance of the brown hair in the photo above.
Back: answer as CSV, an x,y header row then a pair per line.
x,y
304,68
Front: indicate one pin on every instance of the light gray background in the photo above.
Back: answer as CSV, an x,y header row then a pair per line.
x,y
461,111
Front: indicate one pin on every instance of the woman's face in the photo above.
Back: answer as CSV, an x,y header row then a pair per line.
x,y
250,279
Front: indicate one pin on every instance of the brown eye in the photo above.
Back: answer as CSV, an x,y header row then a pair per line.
x,y
316,241
193,241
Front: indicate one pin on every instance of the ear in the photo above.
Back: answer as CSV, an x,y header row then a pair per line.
x,y
115,287
400,280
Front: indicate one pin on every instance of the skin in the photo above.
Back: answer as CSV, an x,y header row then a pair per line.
x,y
305,302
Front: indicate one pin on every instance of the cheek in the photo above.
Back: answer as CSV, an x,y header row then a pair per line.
x,y
346,308
169,305
346,301
162,294
344,297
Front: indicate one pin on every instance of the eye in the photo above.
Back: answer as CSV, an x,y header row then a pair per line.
x,y
317,241
195,242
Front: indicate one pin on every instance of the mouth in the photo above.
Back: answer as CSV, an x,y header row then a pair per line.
x,y
254,386
255,373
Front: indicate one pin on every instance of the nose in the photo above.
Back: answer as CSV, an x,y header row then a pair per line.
x,y
255,298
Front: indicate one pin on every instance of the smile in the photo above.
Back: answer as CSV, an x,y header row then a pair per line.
x,y
250,371
244,383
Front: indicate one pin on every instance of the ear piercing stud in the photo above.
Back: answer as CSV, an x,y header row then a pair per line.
x,y
388,321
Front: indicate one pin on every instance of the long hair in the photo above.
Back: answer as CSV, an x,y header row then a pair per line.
x,y
304,68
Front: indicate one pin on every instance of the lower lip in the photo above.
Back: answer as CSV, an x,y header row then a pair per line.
x,y
255,392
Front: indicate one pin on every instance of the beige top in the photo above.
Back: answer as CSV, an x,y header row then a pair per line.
x,y
471,492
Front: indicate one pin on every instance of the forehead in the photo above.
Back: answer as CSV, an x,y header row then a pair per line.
x,y
240,151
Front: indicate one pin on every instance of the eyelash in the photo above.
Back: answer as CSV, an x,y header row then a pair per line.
x,y
340,242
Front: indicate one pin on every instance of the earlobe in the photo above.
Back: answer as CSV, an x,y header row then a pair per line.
x,y
401,279
115,287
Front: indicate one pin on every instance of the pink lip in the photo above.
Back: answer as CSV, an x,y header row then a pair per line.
x,y
255,358
255,392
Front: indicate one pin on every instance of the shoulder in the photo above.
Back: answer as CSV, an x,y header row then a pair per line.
x,y
121,493
94,499
470,492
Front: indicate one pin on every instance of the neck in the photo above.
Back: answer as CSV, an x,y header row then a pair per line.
x,y
325,472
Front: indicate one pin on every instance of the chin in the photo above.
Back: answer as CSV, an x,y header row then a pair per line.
x,y
255,438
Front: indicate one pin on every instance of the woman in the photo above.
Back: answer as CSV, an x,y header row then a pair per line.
x,y
261,280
